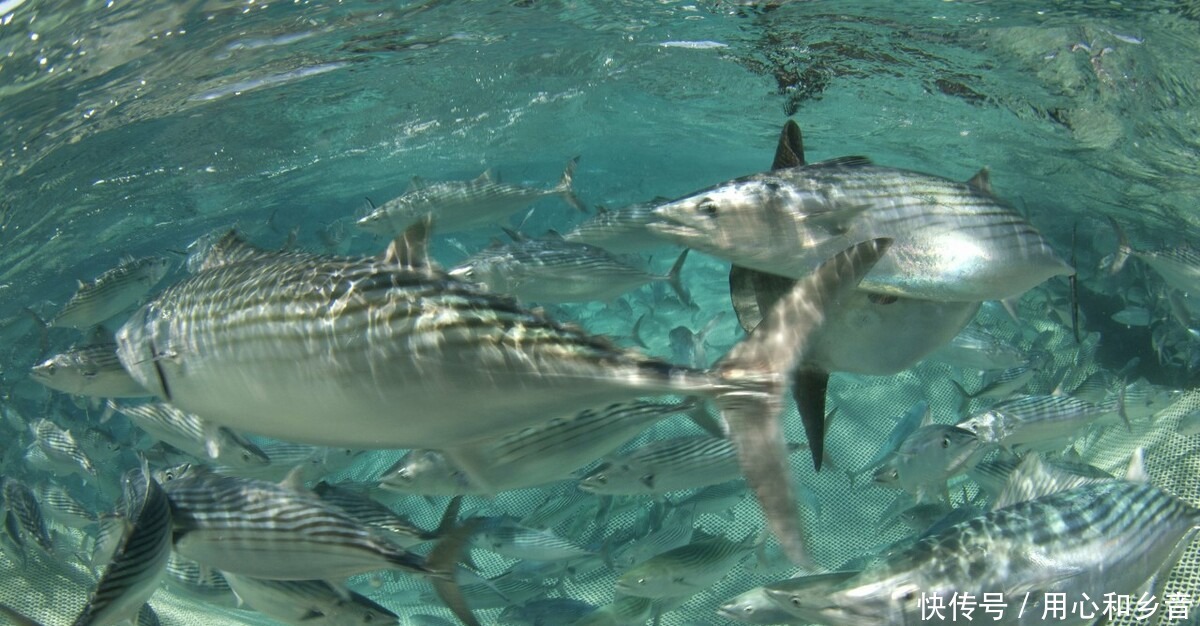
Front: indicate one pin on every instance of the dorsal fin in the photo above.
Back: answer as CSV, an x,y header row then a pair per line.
x,y
554,235
411,248
843,161
512,234
415,183
488,176
294,479
981,181
1136,472
231,248
790,150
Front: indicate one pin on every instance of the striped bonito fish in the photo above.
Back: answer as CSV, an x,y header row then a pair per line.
x,y
622,231
668,465
24,515
140,560
406,356
193,435
265,530
464,204
552,269
1097,539
686,570
111,292
60,506
953,241
309,602
187,578
551,451
1038,421
1179,266
507,538
60,447
428,473
368,511
88,371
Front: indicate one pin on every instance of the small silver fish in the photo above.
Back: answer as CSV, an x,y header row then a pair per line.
x,y
112,292
623,231
463,205
1040,421
193,435
979,349
553,270
25,515
89,371
517,542
428,473
1179,266
761,606
667,465
309,602
686,570
60,506
1132,316
928,458
60,447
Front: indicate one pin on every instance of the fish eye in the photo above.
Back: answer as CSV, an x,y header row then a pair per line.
x,y
601,478
748,610
894,474
707,207
642,581
796,602
946,441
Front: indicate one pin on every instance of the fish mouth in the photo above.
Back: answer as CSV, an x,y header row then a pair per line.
x,y
672,229
372,224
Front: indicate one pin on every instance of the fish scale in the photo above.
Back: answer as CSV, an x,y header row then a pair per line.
x,y
263,530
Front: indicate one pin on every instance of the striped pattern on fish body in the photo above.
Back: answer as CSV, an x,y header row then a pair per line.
x,y
25,514
551,451
685,570
60,506
89,371
368,511
139,562
462,205
516,542
718,499
278,343
953,241
191,434
553,270
111,292
624,231
264,530
1035,420
309,602
189,579
316,461
622,611
676,531
1106,538
60,447
668,465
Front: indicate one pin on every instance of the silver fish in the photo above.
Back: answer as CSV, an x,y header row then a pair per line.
x,y
277,343
954,241
112,292
686,570
675,531
911,328
1179,266
1041,421
545,612
462,205
60,447
517,542
551,451
995,385
265,530
193,435
1091,540
1132,316
60,506
760,606
140,559
916,416
89,371
623,231
667,465
622,611
928,458
428,473
551,270
309,602
25,514
977,348
716,499
188,579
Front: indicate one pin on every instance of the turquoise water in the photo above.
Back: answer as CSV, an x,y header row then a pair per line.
x,y
132,128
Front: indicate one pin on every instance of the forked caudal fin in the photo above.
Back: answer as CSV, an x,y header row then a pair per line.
x,y
566,189
759,370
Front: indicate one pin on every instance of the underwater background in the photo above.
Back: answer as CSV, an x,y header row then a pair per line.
x,y
130,129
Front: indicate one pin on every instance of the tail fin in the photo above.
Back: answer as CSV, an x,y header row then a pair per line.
x,y
566,188
757,371
964,401
443,562
1123,249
